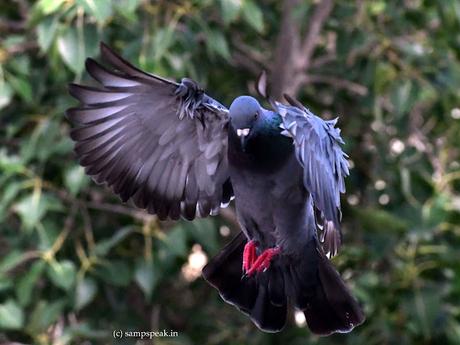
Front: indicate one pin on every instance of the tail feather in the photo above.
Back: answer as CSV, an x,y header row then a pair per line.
x,y
267,316
333,308
224,272
262,298
308,282
276,288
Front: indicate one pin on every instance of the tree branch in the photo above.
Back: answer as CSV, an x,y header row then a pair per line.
x,y
286,46
293,56
337,82
120,209
318,18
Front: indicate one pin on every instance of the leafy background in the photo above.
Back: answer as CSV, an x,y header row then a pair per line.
x,y
75,263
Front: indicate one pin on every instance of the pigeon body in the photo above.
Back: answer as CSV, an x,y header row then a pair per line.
x,y
176,152
265,174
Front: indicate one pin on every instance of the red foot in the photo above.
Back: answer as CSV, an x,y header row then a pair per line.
x,y
249,255
263,261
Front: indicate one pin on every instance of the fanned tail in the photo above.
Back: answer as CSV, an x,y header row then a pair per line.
x,y
262,298
308,282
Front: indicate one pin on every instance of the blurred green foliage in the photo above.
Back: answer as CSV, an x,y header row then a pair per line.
x,y
77,264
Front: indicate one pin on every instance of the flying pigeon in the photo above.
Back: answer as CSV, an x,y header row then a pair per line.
x,y
176,152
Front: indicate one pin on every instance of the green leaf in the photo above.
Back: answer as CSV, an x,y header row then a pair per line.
x,y
27,283
435,210
116,272
11,315
146,277
10,260
44,315
162,41
230,10
175,241
6,93
403,96
43,141
31,210
217,43
85,292
62,274
72,50
253,15
100,9
127,5
22,87
46,32
5,283
10,164
75,179
49,6
9,193
376,220
104,246
204,232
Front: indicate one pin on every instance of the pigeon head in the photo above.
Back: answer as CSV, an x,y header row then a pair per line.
x,y
244,112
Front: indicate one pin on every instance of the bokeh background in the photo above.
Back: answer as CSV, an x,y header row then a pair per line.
x,y
76,263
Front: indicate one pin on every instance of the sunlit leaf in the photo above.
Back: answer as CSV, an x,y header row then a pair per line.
x,y
100,9
75,179
32,208
5,94
252,14
72,49
62,274
85,292
11,315
50,6
230,9
46,31
10,164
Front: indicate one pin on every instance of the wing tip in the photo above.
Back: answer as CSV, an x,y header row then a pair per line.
x,y
73,90
105,49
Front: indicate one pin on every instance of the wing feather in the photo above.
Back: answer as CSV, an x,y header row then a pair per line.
x,y
160,143
318,150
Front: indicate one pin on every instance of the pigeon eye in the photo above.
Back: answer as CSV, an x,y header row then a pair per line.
x,y
256,115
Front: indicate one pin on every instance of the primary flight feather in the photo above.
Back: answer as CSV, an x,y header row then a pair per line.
x,y
175,151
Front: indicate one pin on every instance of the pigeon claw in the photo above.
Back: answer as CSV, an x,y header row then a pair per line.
x,y
249,255
263,261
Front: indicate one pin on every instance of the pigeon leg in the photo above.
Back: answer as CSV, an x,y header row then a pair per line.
x,y
249,255
263,261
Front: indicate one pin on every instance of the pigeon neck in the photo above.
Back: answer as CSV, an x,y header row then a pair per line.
x,y
266,148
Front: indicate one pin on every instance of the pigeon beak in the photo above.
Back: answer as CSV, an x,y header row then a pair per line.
x,y
242,133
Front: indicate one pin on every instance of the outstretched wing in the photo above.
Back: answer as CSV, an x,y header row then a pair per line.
x,y
160,143
318,150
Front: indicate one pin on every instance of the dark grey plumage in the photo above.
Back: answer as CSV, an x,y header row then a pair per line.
x,y
175,152
160,143
318,150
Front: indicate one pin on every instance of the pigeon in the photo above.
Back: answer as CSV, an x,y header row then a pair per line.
x,y
176,152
